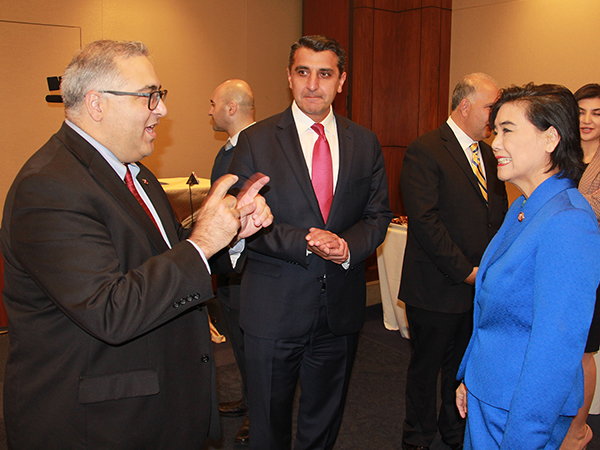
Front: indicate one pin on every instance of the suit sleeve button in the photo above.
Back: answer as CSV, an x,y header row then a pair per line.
x,y
205,358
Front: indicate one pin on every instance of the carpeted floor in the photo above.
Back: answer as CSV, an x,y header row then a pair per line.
x,y
375,406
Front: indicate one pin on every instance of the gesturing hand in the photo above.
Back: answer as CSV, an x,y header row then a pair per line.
x,y
218,220
254,211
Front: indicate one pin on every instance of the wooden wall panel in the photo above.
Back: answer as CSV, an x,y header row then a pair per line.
x,y
362,70
444,81
397,5
399,74
429,79
396,76
393,165
317,20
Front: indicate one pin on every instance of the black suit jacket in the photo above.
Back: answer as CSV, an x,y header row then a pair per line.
x,y
109,347
281,286
449,224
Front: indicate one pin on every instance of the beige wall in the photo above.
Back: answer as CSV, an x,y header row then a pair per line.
x,y
518,41
195,45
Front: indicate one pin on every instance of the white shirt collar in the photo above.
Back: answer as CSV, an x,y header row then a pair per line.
x,y
303,122
463,139
109,156
234,139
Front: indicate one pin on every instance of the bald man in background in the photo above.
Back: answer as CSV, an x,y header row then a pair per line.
x,y
232,110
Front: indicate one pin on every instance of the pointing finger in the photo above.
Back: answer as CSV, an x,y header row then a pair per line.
x,y
220,187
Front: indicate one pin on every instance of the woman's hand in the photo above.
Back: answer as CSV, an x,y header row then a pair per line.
x,y
461,400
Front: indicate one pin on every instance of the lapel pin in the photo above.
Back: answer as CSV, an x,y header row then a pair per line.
x,y
144,181
521,216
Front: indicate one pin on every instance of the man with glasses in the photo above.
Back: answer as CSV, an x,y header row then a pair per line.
x,y
110,344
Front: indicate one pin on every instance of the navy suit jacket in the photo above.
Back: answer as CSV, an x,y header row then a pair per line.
x,y
536,291
282,285
449,223
109,347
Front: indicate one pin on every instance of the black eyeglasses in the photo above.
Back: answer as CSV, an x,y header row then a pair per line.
x,y
153,97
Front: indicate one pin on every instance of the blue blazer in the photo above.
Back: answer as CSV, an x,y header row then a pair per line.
x,y
535,296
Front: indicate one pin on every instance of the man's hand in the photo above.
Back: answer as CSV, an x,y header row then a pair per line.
x,y
254,211
327,245
471,278
461,400
218,220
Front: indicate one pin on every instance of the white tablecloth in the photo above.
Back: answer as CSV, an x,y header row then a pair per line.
x,y
390,256
179,195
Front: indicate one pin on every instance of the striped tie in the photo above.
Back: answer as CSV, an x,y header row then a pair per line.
x,y
476,166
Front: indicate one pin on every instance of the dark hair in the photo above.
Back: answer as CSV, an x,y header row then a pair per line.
x,y
320,43
591,90
550,105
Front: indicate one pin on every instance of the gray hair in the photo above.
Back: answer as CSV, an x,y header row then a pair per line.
x,y
94,67
467,86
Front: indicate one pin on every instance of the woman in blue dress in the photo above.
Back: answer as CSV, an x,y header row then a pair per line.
x,y
536,285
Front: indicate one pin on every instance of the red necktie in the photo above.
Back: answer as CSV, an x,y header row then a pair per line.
x,y
136,194
322,171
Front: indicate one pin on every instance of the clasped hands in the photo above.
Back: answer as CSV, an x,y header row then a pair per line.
x,y
224,219
327,245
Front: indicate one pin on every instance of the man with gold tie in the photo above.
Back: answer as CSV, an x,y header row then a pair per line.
x,y
455,204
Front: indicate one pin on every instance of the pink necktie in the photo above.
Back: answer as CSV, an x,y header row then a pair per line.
x,y
322,171
136,194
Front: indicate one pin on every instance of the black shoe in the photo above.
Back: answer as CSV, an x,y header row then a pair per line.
x,y
233,409
243,434
406,446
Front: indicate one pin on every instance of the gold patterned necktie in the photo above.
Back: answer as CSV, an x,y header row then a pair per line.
x,y
476,166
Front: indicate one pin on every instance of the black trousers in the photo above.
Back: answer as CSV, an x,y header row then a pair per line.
x,y
228,291
438,342
322,362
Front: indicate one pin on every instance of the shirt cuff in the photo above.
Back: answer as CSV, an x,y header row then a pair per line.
x,y
197,247
236,251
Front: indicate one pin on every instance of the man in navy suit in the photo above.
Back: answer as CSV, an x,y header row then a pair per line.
x,y
452,216
304,292
104,290
232,110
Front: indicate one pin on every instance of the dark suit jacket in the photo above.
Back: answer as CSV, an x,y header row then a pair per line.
x,y
108,345
228,284
281,286
449,224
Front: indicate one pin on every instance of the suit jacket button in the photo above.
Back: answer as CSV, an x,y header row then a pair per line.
x,y
205,358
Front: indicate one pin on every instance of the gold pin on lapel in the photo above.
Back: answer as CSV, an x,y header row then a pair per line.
x,y
521,216
144,181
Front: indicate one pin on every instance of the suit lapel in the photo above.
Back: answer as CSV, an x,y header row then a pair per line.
x,y
287,135
156,195
458,154
346,156
106,177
